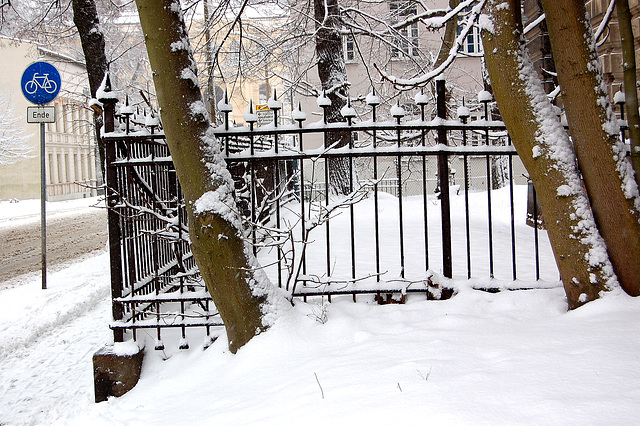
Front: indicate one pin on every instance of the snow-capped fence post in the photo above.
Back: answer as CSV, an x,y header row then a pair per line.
x,y
114,372
109,102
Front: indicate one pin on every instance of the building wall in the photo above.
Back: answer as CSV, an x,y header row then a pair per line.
x,y
464,77
609,52
69,142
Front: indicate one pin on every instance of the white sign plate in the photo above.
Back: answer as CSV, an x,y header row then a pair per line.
x,y
41,114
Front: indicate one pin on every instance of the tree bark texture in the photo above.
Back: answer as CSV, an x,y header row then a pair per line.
x,y
85,17
449,38
630,81
333,77
607,174
240,293
86,20
545,150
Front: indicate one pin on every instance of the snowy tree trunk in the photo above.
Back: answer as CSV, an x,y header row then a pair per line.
x,y
246,300
449,38
546,152
86,20
333,77
630,81
608,175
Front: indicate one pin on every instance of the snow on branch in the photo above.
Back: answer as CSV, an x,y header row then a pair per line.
x,y
433,19
471,19
605,22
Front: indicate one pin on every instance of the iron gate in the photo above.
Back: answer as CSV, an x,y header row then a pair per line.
x,y
155,282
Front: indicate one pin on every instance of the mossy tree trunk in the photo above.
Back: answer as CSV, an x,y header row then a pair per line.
x,y
546,152
608,175
247,302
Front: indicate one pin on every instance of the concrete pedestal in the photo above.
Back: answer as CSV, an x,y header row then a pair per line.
x,y
115,374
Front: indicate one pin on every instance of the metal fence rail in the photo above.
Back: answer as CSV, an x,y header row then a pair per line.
x,y
155,282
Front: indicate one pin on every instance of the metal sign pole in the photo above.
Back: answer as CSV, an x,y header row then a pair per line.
x,y
40,85
43,207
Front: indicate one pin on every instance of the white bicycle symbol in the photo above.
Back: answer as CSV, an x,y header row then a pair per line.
x,y
40,81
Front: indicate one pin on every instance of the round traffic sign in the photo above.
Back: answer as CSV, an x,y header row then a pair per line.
x,y
40,83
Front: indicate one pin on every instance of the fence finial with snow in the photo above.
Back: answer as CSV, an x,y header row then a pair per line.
x,y
484,97
348,111
250,116
397,112
619,97
463,112
299,115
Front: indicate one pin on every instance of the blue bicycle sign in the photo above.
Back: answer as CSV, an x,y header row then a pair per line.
x,y
40,83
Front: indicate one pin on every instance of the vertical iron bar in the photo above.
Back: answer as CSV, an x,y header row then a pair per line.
x,y
303,222
425,200
535,233
326,201
375,198
489,183
425,197
207,316
252,194
252,189
155,245
351,216
513,217
443,177
278,193
465,159
489,216
400,213
622,135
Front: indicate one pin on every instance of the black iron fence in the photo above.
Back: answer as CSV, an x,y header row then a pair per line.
x,y
285,191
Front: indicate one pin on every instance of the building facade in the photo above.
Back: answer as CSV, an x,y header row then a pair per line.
x,y
609,45
69,142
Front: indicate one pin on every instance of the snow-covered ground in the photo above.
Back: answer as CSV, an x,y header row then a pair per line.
x,y
507,358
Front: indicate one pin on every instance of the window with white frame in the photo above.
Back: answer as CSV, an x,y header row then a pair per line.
x,y
405,42
471,43
349,49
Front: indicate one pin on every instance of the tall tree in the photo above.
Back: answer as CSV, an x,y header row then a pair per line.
x,y
607,173
546,151
86,20
333,77
248,303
